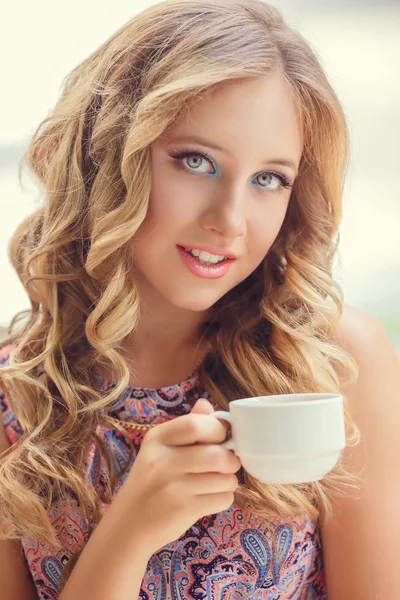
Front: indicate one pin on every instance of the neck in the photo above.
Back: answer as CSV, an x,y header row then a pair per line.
x,y
170,329
165,347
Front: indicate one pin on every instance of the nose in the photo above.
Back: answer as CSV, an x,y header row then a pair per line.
x,y
226,214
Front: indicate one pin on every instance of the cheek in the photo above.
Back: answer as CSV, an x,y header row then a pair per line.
x,y
173,196
172,207
263,231
162,218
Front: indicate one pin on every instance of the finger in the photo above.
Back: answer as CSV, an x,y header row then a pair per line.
x,y
190,429
209,483
211,504
204,458
202,407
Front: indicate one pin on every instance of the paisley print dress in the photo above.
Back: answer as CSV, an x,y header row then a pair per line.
x,y
225,556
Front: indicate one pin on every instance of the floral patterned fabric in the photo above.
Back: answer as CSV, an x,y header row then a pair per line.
x,y
225,556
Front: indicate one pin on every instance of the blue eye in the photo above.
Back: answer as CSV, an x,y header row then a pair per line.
x,y
184,155
283,181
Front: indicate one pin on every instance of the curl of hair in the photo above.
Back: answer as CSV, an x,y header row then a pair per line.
x,y
272,334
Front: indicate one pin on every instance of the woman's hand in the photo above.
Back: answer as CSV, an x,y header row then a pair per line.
x,y
180,474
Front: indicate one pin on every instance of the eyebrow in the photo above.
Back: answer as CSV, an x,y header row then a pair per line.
x,y
203,142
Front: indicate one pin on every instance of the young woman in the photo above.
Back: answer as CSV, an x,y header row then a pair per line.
x,y
192,174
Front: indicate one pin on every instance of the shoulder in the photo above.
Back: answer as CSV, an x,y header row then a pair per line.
x,y
365,527
374,398
359,332
364,338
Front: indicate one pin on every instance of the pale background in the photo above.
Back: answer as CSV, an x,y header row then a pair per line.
x,y
359,45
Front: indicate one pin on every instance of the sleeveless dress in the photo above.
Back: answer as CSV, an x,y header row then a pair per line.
x,y
225,556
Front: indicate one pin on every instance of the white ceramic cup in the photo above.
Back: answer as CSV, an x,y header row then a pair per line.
x,y
288,438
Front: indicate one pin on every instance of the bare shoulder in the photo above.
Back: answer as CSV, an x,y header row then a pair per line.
x,y
362,536
364,338
361,334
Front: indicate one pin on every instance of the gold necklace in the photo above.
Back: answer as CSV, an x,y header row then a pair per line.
x,y
147,426
130,424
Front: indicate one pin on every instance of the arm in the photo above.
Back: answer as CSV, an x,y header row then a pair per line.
x,y
361,541
174,481
15,580
113,562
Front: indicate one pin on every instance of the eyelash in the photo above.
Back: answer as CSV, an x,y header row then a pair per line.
x,y
285,182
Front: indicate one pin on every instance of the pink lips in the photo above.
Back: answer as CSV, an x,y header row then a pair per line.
x,y
212,250
207,272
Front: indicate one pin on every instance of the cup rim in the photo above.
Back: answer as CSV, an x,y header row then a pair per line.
x,y
313,398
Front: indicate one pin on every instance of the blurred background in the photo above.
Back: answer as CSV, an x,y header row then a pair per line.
x,y
359,45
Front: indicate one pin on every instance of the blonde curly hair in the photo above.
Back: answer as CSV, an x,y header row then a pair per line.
x,y
92,158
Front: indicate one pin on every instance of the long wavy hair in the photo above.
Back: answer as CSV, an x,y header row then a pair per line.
x,y
91,155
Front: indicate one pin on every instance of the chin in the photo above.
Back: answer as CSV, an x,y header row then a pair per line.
x,y
195,301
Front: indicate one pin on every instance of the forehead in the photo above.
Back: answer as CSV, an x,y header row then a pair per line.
x,y
248,117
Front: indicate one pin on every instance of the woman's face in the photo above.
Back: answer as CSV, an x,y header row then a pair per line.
x,y
231,203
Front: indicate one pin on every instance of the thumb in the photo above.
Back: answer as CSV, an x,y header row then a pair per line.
x,y
202,407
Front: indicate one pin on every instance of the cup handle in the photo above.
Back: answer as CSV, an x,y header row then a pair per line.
x,y
223,415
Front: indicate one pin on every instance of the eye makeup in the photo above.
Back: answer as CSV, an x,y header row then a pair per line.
x,y
284,181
